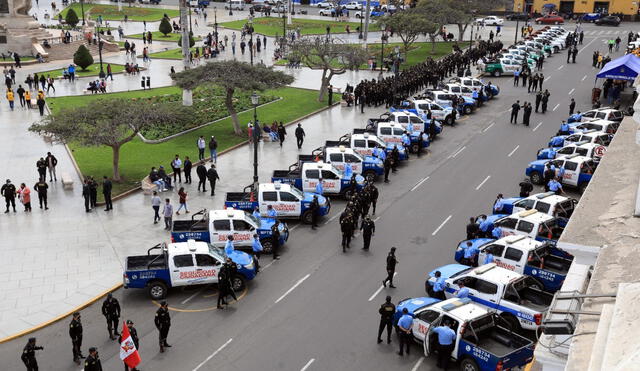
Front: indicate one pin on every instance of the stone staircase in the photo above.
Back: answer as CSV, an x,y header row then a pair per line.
x,y
61,51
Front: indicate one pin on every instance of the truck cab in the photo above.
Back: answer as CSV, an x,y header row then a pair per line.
x,y
184,264
532,223
338,155
305,176
549,203
438,112
586,149
604,113
502,66
589,136
605,126
446,99
540,260
392,132
287,201
473,83
215,226
518,299
578,170
364,142
400,118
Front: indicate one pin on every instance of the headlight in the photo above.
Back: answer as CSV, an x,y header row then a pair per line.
x,y
379,164
248,266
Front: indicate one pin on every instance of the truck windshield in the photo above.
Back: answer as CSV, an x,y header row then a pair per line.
x,y
416,120
550,230
252,219
297,193
216,251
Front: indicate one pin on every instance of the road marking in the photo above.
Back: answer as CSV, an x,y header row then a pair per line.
x,y
556,107
584,47
294,227
600,33
308,364
537,126
487,178
185,301
212,355
488,127
379,289
571,91
441,225
548,77
268,265
514,150
584,78
293,288
417,365
331,219
561,67
376,219
458,152
419,184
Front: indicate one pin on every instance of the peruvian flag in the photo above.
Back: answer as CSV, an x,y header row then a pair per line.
x,y
128,352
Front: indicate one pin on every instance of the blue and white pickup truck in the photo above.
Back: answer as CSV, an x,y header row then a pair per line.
x,y
391,132
549,203
589,136
306,175
364,142
578,170
216,225
593,150
422,106
483,341
518,299
541,226
339,155
287,201
474,83
183,264
466,106
540,260
401,118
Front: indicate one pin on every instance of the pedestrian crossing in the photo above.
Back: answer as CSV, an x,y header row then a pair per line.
x,y
605,32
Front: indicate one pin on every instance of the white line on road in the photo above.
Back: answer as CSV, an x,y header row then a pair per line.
x,y
307,365
487,178
556,107
584,47
331,219
584,77
294,227
417,365
561,67
458,152
488,127
571,91
419,184
376,219
212,355
292,288
548,77
600,33
267,266
185,301
537,126
379,289
514,150
441,225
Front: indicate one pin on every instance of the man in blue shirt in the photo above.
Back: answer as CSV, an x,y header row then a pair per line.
x,y
228,247
446,344
438,287
498,205
488,258
497,233
564,128
257,250
271,213
319,187
557,141
462,292
405,323
555,186
471,254
256,213
348,170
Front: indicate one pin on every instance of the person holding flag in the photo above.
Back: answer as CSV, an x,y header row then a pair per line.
x,y
129,344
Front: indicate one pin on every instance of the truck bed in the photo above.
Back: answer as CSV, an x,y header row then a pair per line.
x,y
237,196
190,226
557,264
146,262
536,299
499,341
285,174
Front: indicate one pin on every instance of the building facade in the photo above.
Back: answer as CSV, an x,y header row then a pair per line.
x,y
626,7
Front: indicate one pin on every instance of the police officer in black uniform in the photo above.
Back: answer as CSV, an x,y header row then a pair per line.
x,y
346,227
92,363
134,337
391,268
386,319
525,188
314,209
473,229
275,239
163,323
223,287
111,311
75,332
29,355
373,195
387,167
368,228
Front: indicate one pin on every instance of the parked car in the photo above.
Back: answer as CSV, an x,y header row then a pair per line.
x,y
610,20
353,5
518,17
550,19
591,17
323,4
491,20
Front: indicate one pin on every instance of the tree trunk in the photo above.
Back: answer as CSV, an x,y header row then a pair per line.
x,y
462,28
116,162
228,101
433,43
325,83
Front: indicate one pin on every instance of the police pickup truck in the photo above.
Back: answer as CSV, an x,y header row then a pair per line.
x,y
503,66
549,203
482,342
604,113
540,260
306,175
586,149
401,118
216,225
446,99
605,126
341,156
183,264
391,132
422,106
364,142
287,201
532,223
518,299
589,136
578,170
473,83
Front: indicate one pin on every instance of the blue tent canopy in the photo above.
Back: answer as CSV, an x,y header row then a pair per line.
x,y
549,6
623,68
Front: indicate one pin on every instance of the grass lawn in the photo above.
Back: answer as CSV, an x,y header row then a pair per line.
x,y
137,158
271,26
159,36
92,70
418,53
111,13
171,54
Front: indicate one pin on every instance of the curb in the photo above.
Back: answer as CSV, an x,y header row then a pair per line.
x,y
60,317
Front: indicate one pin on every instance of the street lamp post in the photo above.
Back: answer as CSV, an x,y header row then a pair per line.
x,y
230,10
251,40
284,32
101,74
215,27
382,38
360,34
255,99
473,16
515,41
82,9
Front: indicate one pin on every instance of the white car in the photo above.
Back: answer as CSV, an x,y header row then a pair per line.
x,y
491,21
327,12
353,5
323,4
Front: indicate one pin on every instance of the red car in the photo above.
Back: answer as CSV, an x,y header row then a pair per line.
x,y
550,19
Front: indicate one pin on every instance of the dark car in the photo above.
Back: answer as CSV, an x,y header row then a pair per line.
x,y
260,7
610,20
518,17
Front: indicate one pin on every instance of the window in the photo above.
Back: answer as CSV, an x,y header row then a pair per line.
x,y
589,114
181,261
203,260
335,157
508,223
526,203
513,254
385,131
313,174
455,89
360,143
221,225
494,249
328,174
436,107
525,226
351,158
423,106
601,115
543,207
398,131
571,166
416,120
565,151
603,139
270,196
486,287
373,144
572,138
428,316
403,119
581,151
241,226
288,197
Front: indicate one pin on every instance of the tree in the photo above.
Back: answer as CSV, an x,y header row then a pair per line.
x,y
408,24
460,12
192,41
82,57
71,18
231,76
111,123
332,56
165,27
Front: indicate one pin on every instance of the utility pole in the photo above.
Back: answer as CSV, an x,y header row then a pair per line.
x,y
290,12
187,96
366,23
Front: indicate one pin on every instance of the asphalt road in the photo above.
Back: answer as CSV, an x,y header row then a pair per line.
x,y
316,308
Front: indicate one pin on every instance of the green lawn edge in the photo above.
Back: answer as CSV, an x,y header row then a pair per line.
x,y
159,36
92,70
155,14
305,25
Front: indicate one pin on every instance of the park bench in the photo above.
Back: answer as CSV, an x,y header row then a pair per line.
x,y
147,186
67,181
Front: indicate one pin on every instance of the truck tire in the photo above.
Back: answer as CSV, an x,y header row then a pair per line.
x,y
512,321
414,148
307,217
448,121
157,290
238,283
369,175
536,177
467,110
267,246
468,364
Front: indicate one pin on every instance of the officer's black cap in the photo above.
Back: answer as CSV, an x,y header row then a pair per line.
x,y
388,297
163,303
76,314
32,340
109,295
93,349
129,322
393,249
